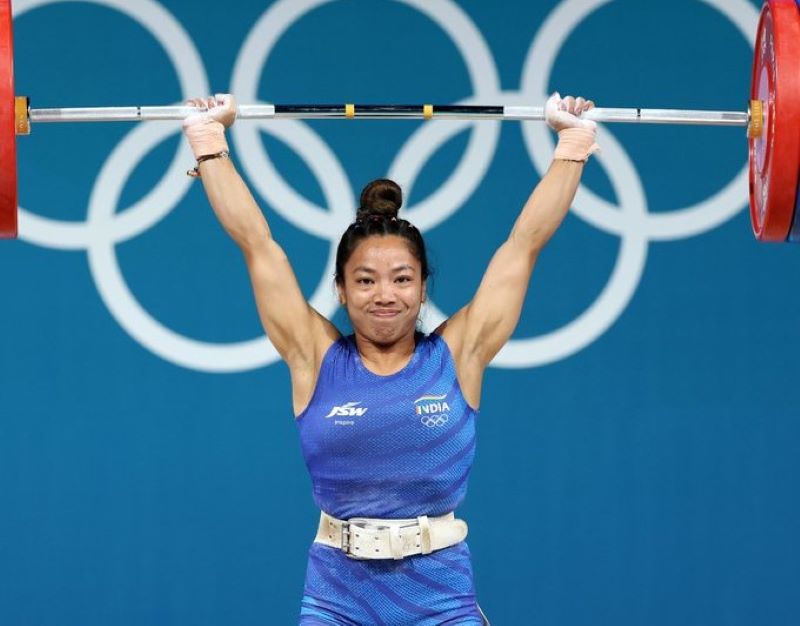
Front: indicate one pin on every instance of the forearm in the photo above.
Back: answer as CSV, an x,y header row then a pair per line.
x,y
551,199
233,204
547,205
227,193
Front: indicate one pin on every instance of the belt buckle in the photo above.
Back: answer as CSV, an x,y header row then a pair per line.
x,y
347,535
372,528
347,545
346,539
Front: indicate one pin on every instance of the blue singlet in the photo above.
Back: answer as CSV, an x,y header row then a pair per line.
x,y
396,446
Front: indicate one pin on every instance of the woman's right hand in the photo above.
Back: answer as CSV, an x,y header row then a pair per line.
x,y
205,126
218,108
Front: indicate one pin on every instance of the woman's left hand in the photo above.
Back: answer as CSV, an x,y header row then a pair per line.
x,y
561,113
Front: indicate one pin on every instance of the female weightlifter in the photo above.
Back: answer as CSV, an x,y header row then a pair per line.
x,y
387,415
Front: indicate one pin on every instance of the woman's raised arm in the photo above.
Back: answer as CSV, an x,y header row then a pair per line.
x,y
478,331
299,333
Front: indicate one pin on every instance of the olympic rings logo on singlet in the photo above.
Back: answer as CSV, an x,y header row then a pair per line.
x,y
432,421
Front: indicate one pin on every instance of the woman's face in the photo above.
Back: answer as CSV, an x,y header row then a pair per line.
x,y
382,289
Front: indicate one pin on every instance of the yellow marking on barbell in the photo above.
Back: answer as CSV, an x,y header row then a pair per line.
x,y
427,111
349,111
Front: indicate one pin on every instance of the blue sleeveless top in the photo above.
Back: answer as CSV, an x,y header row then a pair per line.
x,y
396,446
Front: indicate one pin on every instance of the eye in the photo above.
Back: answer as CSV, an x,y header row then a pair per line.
x,y
364,281
403,279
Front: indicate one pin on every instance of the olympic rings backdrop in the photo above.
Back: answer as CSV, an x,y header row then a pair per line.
x,y
637,459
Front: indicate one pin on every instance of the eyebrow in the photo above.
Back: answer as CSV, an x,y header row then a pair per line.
x,y
369,270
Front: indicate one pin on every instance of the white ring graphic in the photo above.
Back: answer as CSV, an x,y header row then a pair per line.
x,y
293,206
633,223
69,235
680,223
169,345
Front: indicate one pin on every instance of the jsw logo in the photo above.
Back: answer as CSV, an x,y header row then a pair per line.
x,y
350,409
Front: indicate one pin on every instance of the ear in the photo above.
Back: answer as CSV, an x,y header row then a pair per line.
x,y
340,293
424,291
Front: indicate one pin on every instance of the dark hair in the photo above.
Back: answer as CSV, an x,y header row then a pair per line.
x,y
377,216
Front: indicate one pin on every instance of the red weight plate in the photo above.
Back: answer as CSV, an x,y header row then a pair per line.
x,y
775,156
8,139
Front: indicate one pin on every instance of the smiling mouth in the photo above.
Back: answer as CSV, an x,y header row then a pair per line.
x,y
384,313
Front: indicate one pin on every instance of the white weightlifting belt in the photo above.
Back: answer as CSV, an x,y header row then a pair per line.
x,y
369,538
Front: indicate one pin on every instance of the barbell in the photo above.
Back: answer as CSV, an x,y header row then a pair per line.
x,y
772,120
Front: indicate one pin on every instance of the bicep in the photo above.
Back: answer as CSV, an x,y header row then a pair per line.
x,y
298,332
484,325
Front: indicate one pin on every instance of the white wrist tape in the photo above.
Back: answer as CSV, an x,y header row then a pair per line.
x,y
206,136
575,144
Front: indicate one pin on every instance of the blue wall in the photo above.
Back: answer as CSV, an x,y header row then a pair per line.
x,y
642,425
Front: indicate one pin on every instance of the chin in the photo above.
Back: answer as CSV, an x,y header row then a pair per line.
x,y
385,334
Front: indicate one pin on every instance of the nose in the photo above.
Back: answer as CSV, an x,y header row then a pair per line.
x,y
384,294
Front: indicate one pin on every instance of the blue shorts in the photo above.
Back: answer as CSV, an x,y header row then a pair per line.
x,y
423,590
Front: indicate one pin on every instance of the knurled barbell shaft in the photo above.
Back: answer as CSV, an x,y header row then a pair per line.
x,y
378,111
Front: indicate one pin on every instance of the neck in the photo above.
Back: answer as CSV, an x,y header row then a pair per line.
x,y
385,359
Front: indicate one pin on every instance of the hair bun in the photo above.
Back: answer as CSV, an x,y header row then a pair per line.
x,y
380,197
